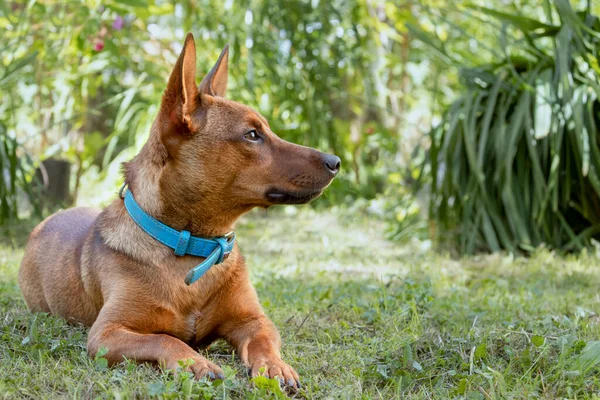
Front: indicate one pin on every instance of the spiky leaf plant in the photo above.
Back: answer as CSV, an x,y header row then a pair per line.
x,y
516,160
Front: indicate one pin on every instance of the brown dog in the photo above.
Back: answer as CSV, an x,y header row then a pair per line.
x,y
207,161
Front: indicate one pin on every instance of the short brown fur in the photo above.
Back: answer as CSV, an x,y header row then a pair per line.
x,y
201,169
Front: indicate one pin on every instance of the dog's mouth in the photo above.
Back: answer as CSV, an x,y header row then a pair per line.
x,y
277,196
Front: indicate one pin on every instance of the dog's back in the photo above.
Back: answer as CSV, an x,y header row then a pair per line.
x,y
50,273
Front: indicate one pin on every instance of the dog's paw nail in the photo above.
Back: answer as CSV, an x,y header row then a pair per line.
x,y
249,371
211,375
298,384
220,376
290,382
281,381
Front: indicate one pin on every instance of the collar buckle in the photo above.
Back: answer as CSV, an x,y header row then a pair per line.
x,y
230,236
122,191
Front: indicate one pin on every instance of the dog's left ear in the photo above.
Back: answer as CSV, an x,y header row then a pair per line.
x,y
215,82
179,99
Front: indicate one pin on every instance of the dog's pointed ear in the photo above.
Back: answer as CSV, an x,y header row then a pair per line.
x,y
179,100
215,82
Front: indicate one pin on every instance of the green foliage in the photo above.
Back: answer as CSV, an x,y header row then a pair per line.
x,y
16,177
515,161
16,172
63,94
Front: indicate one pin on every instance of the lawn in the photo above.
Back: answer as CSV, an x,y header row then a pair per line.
x,y
360,317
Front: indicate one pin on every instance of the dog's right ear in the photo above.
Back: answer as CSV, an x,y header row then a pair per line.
x,y
180,97
215,82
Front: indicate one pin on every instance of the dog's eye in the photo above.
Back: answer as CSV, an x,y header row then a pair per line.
x,y
252,135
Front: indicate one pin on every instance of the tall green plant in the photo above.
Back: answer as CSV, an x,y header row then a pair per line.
x,y
16,166
515,161
15,183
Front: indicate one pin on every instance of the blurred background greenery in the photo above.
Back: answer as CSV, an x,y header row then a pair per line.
x,y
469,123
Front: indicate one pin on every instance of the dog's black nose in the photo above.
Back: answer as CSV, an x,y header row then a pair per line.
x,y
332,163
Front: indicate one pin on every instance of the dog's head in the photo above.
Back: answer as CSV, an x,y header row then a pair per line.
x,y
215,150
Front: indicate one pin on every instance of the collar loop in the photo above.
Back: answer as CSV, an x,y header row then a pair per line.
x,y
182,243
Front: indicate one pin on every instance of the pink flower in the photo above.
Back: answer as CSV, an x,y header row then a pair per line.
x,y
118,23
98,45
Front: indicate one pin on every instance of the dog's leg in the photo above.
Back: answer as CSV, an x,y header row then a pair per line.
x,y
165,350
254,336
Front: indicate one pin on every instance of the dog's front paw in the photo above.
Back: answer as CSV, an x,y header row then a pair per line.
x,y
275,368
208,369
199,366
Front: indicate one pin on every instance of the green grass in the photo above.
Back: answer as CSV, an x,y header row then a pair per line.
x,y
360,317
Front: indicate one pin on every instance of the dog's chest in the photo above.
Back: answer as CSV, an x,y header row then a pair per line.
x,y
189,324
194,311
191,312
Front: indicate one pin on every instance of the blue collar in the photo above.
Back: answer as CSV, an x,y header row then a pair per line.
x,y
214,250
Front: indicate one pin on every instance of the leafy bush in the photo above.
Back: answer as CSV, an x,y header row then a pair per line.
x,y
515,161
16,176
16,167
